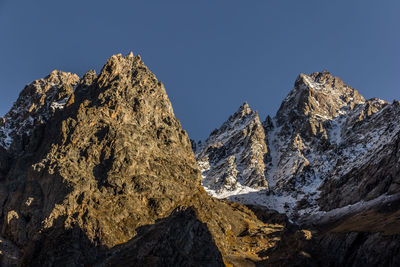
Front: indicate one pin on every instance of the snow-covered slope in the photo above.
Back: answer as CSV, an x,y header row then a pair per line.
x,y
322,136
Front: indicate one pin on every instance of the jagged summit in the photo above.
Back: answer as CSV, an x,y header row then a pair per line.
x,y
322,130
231,159
244,112
318,96
35,105
315,99
98,164
244,109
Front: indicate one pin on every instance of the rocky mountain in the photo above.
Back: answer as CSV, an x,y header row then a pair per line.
x,y
323,131
97,171
332,161
36,104
326,148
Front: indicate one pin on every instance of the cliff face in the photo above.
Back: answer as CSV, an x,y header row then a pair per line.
x,y
102,173
315,98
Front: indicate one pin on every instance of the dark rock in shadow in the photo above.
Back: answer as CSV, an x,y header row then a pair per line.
x,y
178,240
358,249
269,216
58,246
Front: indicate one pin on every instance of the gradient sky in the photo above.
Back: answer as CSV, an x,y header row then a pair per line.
x,y
211,55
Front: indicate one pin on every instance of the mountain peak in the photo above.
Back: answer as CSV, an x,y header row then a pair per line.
x,y
37,102
242,116
319,95
237,150
245,105
122,128
323,80
243,110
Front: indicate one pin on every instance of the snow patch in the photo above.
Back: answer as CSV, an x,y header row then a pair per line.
x,y
59,104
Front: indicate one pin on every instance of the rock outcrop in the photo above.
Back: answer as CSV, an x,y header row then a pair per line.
x,y
370,237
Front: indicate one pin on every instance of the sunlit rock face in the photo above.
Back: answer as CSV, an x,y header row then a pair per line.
x,y
93,160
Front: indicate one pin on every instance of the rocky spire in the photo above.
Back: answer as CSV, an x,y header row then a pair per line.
x,y
268,124
314,99
232,156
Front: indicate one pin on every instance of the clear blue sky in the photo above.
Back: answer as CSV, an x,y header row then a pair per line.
x,y
211,55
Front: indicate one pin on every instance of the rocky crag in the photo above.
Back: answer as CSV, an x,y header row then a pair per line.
x,y
97,171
